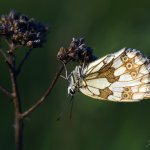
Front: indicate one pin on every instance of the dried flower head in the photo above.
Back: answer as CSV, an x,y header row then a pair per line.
x,y
21,30
77,51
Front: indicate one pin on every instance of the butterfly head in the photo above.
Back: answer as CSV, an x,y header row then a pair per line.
x,y
71,90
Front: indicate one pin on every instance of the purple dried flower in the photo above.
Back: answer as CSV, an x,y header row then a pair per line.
x,y
22,30
77,51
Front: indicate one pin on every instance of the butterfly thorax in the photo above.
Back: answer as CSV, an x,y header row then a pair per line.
x,y
75,79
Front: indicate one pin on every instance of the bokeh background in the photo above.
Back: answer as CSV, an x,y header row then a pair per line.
x,y
107,26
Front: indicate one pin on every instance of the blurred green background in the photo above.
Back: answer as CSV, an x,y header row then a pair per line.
x,y
107,26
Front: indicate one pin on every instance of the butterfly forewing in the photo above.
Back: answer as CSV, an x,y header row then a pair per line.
x,y
122,76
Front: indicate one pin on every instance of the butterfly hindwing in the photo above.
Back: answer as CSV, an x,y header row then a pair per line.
x,y
121,76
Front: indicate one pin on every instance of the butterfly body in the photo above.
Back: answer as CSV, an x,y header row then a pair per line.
x,y
123,76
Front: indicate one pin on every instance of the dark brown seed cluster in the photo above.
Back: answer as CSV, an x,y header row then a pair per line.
x,y
77,51
21,30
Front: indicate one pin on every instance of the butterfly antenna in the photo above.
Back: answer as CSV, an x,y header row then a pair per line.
x,y
60,115
72,102
62,112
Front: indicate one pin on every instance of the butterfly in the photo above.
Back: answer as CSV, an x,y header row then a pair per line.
x,y
123,76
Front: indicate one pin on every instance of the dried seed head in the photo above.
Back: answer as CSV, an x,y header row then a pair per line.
x,y
77,51
21,30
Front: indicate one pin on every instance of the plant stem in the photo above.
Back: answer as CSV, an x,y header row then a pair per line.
x,y
23,61
5,91
44,96
17,103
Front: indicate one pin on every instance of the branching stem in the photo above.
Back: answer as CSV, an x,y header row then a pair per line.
x,y
44,96
5,91
14,71
17,104
23,61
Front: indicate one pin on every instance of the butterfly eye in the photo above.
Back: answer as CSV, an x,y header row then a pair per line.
x,y
71,91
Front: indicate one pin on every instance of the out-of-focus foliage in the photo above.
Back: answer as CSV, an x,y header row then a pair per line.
x,y
107,26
